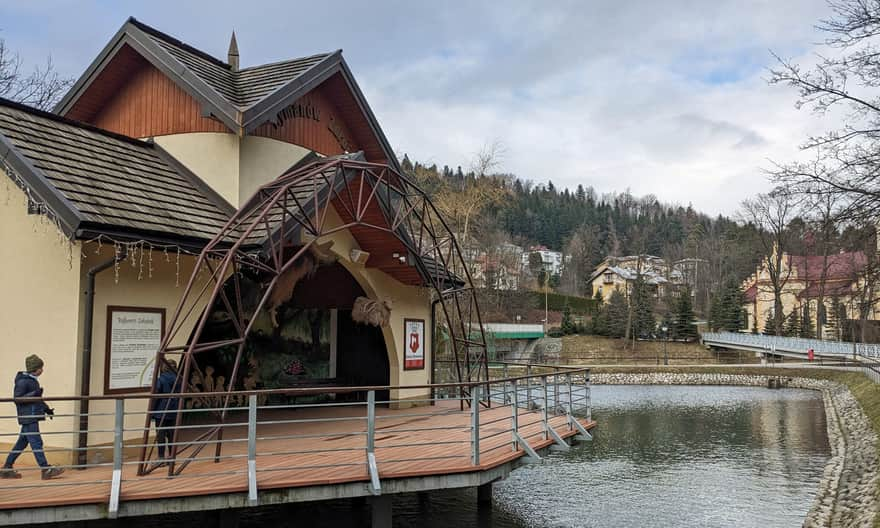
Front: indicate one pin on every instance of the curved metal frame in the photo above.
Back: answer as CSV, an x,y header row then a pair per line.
x,y
292,212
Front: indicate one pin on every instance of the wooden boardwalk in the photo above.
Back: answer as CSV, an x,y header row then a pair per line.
x,y
413,442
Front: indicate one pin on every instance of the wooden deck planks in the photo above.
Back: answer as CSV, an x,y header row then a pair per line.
x,y
406,446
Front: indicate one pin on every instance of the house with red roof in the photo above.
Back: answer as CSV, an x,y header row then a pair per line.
x,y
826,289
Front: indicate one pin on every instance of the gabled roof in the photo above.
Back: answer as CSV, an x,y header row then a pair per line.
x,y
243,100
98,182
844,265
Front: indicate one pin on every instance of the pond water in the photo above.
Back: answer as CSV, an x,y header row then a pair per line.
x,y
681,456
662,456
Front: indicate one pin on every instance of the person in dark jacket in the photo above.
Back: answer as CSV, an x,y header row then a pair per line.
x,y
30,414
164,410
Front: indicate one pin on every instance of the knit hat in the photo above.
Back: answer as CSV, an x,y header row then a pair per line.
x,y
33,363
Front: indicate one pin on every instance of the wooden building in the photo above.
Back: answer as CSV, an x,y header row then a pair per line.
x,y
109,199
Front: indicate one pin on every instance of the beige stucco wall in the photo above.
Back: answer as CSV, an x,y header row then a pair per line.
x,y
234,167
263,160
213,157
607,289
136,286
38,315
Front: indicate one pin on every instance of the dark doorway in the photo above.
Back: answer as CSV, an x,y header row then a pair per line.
x,y
361,356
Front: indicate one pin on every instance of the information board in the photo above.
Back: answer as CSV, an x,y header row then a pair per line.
x,y
134,335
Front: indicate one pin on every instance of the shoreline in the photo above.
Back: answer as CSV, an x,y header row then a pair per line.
x,y
847,491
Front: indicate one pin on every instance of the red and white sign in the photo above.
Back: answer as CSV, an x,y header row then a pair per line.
x,y
414,344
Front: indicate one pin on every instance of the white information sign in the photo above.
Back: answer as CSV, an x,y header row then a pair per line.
x,y
134,337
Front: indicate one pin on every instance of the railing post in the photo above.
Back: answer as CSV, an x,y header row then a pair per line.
x,y
253,497
506,374
544,412
475,426
116,481
372,466
515,413
555,394
528,387
587,399
570,400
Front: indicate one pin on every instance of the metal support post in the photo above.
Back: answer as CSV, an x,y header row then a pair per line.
x,y
253,497
382,511
570,406
484,495
506,374
528,387
116,480
555,394
587,398
372,466
515,413
475,426
544,410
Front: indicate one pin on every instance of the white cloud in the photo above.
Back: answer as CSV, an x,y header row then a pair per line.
x,y
664,98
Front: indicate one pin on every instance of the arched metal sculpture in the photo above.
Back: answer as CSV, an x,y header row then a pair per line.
x,y
276,229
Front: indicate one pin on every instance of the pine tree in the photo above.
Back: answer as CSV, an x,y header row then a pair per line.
x,y
770,324
616,314
599,301
599,323
792,324
725,312
684,317
643,322
806,329
567,325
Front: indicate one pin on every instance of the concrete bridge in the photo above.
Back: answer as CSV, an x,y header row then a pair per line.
x,y
795,347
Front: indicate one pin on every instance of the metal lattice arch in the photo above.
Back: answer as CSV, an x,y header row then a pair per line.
x,y
279,224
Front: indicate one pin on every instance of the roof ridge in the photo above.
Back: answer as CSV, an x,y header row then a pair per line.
x,y
72,122
275,63
179,43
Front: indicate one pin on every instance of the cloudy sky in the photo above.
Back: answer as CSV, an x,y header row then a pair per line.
x,y
667,98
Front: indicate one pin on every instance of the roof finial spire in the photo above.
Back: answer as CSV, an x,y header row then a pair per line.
x,y
232,56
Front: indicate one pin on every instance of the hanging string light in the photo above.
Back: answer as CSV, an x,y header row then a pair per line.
x,y
50,221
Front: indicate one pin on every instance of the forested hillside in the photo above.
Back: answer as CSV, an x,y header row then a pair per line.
x,y
488,208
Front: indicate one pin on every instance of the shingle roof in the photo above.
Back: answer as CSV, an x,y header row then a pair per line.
x,y
110,181
243,88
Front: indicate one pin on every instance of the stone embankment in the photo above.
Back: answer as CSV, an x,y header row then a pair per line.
x,y
847,494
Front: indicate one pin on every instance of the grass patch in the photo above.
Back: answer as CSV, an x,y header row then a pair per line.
x,y
865,391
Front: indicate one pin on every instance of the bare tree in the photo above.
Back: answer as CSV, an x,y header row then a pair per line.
x,y
821,212
462,203
583,248
41,88
845,160
771,213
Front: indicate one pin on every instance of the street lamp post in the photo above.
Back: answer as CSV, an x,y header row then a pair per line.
x,y
665,339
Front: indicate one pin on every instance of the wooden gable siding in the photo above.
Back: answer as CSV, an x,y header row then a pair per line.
x,y
150,104
318,134
381,245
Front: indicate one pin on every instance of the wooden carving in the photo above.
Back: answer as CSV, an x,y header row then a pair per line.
x,y
368,311
309,262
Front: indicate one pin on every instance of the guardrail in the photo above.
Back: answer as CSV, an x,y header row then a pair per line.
x,y
275,434
794,344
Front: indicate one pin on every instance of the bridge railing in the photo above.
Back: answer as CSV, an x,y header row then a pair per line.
x,y
293,437
794,344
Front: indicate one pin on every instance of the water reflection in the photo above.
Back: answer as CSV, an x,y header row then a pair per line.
x,y
682,456
662,456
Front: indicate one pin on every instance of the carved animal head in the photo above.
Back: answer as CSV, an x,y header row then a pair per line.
x,y
368,311
306,265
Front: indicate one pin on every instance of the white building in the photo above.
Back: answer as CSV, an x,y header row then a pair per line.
x,y
551,261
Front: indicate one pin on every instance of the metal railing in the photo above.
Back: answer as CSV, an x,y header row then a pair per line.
x,y
276,435
796,345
